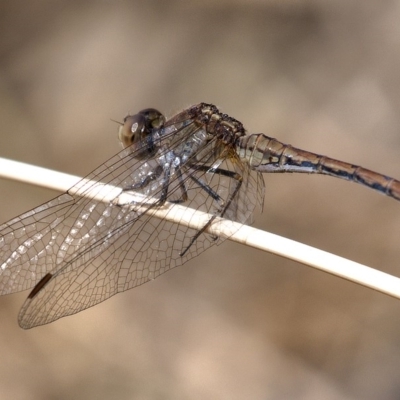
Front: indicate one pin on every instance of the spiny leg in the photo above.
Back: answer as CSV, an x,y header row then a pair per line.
x,y
152,176
182,186
164,186
219,171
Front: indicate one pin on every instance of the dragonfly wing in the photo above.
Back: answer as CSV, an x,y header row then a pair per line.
x,y
147,249
138,251
85,249
41,240
27,244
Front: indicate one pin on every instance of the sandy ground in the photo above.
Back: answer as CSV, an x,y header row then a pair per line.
x,y
233,323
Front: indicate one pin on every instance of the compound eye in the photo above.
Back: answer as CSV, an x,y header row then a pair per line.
x,y
136,128
133,129
154,119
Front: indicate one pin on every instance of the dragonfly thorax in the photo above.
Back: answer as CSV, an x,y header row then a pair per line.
x,y
224,127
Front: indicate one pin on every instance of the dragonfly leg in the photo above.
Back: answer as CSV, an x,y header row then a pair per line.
x,y
207,189
182,186
155,174
223,205
164,186
220,171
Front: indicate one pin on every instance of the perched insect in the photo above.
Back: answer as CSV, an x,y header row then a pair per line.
x,y
78,249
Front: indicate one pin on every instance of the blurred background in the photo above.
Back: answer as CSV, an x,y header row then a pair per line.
x,y
233,323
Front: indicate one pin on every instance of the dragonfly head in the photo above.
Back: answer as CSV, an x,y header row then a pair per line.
x,y
136,130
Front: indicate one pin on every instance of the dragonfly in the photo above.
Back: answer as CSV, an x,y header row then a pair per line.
x,y
83,247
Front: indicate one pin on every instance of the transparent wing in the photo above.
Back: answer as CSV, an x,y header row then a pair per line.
x,y
89,250
44,239
28,243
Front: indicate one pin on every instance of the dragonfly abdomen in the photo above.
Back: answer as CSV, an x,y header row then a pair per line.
x,y
266,154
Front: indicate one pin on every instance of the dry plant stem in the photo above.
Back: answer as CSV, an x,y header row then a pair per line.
x,y
246,235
